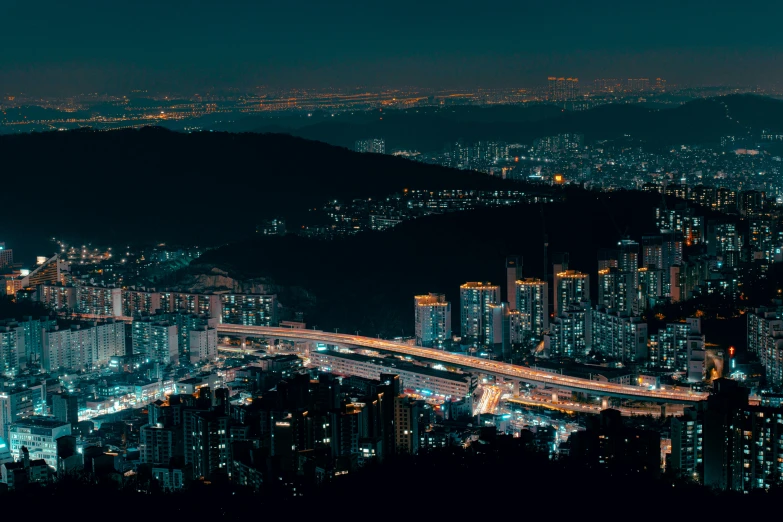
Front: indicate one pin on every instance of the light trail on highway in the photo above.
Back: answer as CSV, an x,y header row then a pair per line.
x,y
499,369
488,403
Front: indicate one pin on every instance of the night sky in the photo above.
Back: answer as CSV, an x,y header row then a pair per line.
x,y
51,47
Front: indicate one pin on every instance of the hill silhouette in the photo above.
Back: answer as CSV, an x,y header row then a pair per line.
x,y
157,185
430,129
367,282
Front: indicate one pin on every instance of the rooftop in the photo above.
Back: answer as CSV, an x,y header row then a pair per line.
x,y
478,284
391,362
572,274
40,422
583,370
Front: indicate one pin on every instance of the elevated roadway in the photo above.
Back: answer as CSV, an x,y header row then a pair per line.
x,y
474,364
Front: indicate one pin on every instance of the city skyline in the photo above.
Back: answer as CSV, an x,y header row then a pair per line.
x,y
171,47
236,278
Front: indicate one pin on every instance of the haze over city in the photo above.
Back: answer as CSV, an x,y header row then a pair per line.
x,y
188,47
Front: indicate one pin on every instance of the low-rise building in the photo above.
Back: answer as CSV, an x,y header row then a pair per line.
x,y
25,471
418,379
39,436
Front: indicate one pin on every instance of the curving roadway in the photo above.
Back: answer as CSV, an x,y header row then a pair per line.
x,y
499,369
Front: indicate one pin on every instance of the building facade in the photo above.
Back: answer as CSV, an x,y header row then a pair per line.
x,y
532,303
157,340
432,320
39,435
249,309
618,335
475,301
572,288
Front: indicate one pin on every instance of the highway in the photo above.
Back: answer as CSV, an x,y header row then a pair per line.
x,y
576,407
475,364
488,403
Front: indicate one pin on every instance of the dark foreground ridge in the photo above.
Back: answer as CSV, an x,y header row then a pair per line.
x,y
453,483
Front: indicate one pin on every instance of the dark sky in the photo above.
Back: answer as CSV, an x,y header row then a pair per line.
x,y
70,46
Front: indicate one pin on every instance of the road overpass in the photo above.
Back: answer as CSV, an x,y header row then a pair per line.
x,y
474,364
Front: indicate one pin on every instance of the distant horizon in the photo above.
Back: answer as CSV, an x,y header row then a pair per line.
x,y
585,86
166,46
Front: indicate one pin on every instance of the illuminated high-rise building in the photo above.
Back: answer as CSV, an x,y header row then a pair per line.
x,y
607,85
202,304
12,347
685,278
628,260
249,309
726,200
669,346
202,344
662,252
618,335
516,334
638,84
558,143
157,340
52,271
99,301
406,419
11,283
725,242
372,145
156,444
137,302
765,340
687,457
15,405
569,333
187,324
272,227
6,256
532,302
210,437
109,341
704,195
475,301
33,337
760,237
694,230
650,289
59,298
562,89
572,288
78,348
752,203
616,289
432,320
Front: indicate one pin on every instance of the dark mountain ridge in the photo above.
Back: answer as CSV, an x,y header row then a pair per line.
x,y
157,185
698,121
